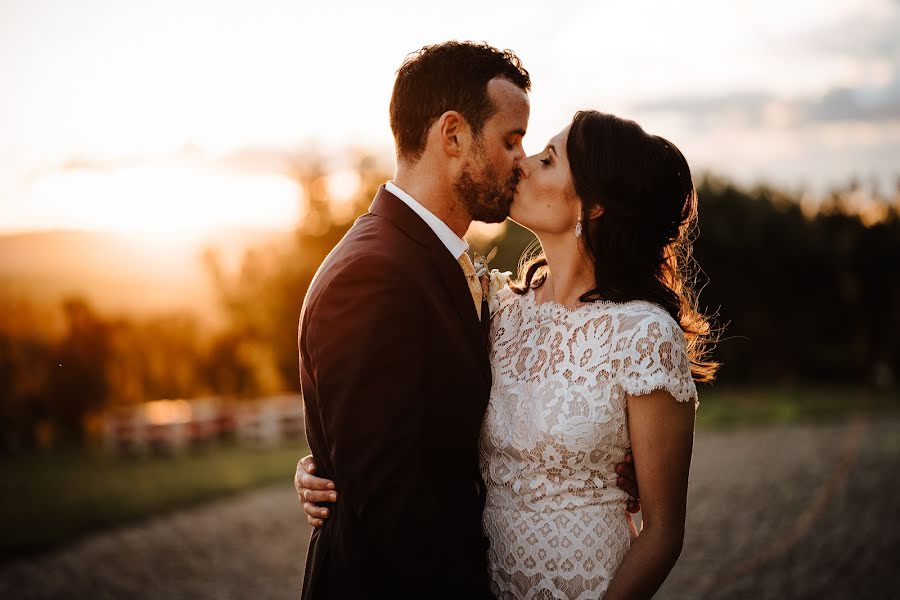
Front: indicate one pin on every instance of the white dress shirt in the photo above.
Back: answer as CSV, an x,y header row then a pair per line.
x,y
455,244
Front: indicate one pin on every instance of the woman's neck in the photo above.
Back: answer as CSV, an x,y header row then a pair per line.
x,y
571,270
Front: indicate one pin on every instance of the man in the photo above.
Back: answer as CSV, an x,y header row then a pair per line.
x,y
393,340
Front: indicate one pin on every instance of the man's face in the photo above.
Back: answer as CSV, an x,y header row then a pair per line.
x,y
489,175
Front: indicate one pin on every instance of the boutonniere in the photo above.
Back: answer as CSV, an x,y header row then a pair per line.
x,y
492,280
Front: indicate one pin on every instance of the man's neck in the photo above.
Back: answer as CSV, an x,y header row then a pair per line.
x,y
435,195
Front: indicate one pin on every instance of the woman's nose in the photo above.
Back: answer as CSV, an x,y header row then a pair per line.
x,y
523,169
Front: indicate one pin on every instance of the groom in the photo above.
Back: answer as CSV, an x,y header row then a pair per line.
x,y
393,340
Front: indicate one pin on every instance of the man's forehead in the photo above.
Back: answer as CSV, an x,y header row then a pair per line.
x,y
502,89
511,103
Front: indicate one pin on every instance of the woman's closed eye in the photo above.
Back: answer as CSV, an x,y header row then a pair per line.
x,y
546,161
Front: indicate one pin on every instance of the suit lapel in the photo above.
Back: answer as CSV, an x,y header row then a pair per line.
x,y
390,207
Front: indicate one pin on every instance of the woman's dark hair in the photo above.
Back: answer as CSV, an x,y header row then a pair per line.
x,y
640,244
448,76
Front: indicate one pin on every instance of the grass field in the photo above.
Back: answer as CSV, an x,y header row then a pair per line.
x,y
49,499
742,407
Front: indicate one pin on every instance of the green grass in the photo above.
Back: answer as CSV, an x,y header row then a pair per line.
x,y
739,407
49,499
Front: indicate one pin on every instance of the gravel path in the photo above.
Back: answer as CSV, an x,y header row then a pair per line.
x,y
788,512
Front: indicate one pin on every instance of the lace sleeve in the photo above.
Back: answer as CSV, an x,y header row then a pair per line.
x,y
654,357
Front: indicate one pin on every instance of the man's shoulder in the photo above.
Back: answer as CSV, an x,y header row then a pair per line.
x,y
374,235
372,243
374,251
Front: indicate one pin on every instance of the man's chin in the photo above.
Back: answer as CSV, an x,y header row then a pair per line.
x,y
503,208
494,211
492,217
507,203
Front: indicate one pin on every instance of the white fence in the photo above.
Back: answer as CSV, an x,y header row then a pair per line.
x,y
170,426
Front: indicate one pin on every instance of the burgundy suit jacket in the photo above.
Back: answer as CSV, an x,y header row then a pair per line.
x,y
395,378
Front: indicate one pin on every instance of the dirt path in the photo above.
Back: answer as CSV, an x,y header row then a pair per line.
x,y
788,512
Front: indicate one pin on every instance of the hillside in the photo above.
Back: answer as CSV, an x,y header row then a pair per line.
x,y
118,273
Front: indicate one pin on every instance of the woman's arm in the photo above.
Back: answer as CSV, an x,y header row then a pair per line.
x,y
662,436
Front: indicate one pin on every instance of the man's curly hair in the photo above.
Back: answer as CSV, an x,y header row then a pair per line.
x,y
448,76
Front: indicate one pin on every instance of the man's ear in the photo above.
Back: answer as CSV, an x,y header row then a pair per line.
x,y
453,132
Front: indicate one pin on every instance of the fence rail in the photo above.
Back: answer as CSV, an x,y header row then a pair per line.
x,y
171,426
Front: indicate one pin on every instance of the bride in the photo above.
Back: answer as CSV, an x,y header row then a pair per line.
x,y
594,351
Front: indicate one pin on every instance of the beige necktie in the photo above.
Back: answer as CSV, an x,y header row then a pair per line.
x,y
474,285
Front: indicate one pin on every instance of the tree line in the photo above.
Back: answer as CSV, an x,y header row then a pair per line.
x,y
801,294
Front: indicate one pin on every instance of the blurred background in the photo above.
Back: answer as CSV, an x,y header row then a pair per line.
x,y
172,174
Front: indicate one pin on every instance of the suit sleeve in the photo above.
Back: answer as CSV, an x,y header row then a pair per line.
x,y
366,341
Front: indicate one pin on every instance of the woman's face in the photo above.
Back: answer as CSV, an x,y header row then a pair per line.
x,y
545,201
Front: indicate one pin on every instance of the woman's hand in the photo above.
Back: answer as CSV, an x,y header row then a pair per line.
x,y
312,490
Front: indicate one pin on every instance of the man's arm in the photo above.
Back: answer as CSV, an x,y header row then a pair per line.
x,y
367,347
312,490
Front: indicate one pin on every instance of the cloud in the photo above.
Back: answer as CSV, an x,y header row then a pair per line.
x,y
868,34
861,104
739,108
861,53
867,104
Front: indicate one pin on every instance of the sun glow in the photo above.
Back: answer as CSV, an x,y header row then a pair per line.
x,y
342,187
171,199
167,412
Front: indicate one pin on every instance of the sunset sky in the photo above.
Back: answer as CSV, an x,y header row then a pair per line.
x,y
125,115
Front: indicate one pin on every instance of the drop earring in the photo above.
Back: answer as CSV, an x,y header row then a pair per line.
x,y
578,227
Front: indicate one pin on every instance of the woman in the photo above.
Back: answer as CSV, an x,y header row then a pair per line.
x,y
595,350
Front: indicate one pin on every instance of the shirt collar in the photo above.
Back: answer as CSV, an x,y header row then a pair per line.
x,y
454,244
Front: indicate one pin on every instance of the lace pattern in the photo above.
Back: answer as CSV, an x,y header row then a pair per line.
x,y
555,429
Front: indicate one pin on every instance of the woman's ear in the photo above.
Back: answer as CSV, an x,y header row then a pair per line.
x,y
595,212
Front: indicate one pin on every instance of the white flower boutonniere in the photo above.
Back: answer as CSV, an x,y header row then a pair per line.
x,y
492,280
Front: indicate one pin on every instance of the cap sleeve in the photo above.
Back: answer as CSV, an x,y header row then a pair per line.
x,y
653,356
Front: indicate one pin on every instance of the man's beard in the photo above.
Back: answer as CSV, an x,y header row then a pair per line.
x,y
481,192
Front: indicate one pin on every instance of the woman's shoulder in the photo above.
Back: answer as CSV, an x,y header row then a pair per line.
x,y
651,353
644,315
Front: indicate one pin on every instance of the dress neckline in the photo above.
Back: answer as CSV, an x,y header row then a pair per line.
x,y
550,310
555,306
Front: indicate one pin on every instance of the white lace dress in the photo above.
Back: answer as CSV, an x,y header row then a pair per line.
x,y
555,429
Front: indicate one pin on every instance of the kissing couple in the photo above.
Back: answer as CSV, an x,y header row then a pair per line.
x,y
474,437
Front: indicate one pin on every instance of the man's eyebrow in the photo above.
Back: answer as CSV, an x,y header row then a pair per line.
x,y
518,131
